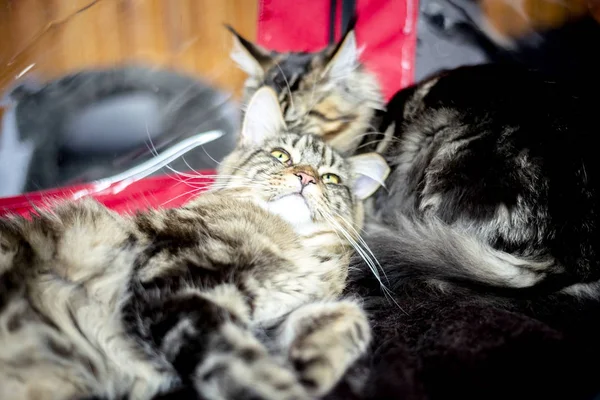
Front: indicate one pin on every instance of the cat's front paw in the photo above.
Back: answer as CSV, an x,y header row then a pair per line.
x,y
339,335
252,377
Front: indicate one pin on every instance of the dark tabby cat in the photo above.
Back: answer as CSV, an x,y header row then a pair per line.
x,y
327,93
96,304
491,187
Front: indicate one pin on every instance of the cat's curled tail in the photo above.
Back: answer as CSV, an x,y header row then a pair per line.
x,y
427,249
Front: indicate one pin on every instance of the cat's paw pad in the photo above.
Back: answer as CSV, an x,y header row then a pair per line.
x,y
315,371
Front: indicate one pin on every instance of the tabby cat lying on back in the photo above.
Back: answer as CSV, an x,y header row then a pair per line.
x,y
327,93
95,304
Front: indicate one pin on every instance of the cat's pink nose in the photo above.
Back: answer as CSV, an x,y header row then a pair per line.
x,y
305,178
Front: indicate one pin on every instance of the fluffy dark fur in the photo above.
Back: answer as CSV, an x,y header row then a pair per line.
x,y
495,180
488,234
444,345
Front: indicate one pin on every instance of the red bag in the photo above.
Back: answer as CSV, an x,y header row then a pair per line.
x,y
153,192
386,29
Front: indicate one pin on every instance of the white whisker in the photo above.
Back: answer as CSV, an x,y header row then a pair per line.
x,y
367,255
220,163
181,195
358,249
317,79
288,88
359,237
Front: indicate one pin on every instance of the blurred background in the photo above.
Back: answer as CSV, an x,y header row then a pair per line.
x,y
92,87
51,38
107,91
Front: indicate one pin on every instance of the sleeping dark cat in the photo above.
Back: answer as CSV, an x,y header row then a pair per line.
x,y
495,181
488,233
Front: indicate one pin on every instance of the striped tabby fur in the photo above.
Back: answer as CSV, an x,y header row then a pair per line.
x,y
326,93
94,304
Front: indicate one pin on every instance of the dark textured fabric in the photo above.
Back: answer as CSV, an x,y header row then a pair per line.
x,y
442,346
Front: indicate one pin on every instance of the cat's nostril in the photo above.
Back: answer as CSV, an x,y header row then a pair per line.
x,y
305,178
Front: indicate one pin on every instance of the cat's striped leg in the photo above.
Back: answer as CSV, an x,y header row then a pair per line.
x,y
204,335
323,340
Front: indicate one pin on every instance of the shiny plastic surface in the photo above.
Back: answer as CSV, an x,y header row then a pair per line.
x,y
124,197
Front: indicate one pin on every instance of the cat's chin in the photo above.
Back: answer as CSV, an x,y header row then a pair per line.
x,y
292,208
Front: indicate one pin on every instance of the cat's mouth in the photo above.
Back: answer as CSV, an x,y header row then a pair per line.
x,y
290,196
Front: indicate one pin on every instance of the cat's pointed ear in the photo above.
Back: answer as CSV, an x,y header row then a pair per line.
x,y
251,58
370,172
262,119
345,56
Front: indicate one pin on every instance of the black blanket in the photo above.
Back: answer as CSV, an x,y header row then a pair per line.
x,y
436,345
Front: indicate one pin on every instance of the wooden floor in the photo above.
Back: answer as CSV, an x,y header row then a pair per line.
x,y
48,38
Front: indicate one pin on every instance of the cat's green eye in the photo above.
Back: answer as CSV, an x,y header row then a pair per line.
x,y
331,178
282,155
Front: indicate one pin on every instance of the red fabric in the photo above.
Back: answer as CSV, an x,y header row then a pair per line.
x,y
385,28
154,192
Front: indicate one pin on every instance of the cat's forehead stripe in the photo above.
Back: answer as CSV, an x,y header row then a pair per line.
x,y
314,150
324,154
315,145
247,160
335,159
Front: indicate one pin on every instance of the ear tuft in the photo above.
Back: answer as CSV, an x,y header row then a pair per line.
x,y
370,172
250,57
262,119
345,58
